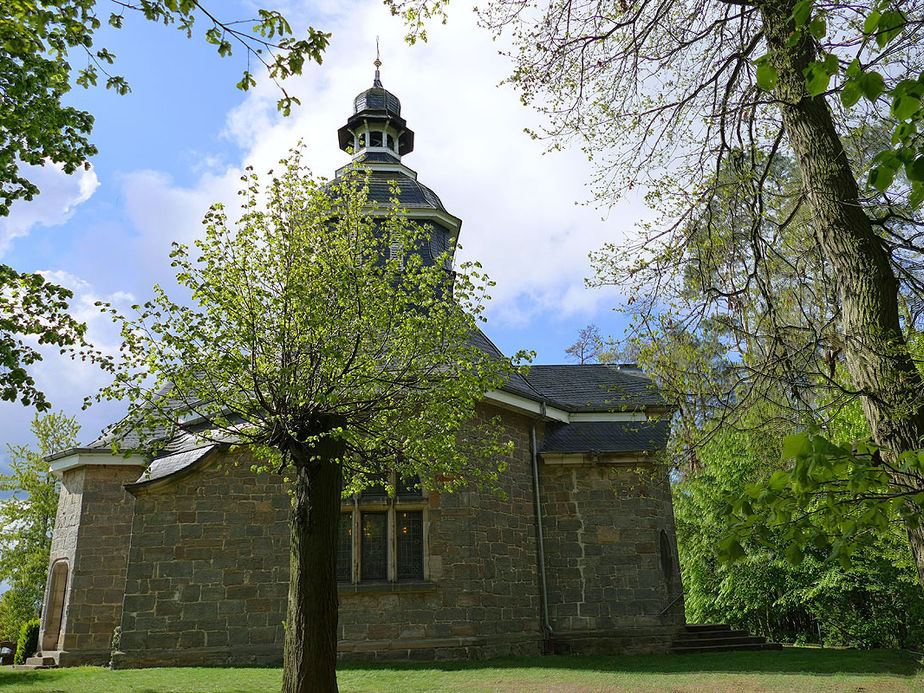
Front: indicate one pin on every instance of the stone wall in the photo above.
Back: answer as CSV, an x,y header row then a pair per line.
x,y
607,580
481,597
92,532
208,568
208,573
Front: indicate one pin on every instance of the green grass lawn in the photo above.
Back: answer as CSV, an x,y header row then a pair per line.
x,y
793,669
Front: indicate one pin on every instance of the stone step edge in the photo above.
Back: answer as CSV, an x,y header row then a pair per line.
x,y
726,648
706,642
708,635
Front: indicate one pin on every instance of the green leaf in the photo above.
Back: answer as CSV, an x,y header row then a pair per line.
x,y
881,178
872,84
871,23
801,12
796,445
890,25
767,76
779,480
817,27
851,93
794,554
904,106
730,549
915,170
915,199
903,132
816,78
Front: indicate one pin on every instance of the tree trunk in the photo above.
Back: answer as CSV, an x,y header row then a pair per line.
x,y
876,351
311,618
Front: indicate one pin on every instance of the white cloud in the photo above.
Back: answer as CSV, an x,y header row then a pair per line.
x,y
67,381
517,204
60,195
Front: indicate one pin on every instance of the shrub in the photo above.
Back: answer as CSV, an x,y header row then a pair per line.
x,y
28,641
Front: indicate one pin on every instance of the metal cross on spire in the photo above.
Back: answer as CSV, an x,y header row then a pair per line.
x,y
378,63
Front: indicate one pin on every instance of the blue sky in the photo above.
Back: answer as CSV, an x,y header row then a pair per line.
x,y
178,142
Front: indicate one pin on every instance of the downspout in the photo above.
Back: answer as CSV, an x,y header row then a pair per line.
x,y
548,633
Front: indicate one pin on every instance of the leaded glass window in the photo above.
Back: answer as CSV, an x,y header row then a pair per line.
x,y
345,548
373,559
409,544
389,542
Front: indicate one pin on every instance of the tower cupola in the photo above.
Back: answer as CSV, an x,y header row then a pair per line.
x,y
377,137
376,131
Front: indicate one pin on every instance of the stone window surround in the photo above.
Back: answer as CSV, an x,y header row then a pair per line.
x,y
390,506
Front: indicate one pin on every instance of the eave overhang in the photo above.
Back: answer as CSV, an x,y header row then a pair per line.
x,y
75,458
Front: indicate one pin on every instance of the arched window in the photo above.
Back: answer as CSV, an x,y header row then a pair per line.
x,y
52,639
375,138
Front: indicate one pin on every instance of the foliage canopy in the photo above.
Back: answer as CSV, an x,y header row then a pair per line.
x,y
700,100
39,40
27,518
323,341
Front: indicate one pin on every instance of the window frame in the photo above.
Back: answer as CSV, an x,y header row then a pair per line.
x,y
390,506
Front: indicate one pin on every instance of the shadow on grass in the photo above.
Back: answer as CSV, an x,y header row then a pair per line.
x,y
794,660
791,660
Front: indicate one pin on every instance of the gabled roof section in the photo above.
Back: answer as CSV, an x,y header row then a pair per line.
x,y
516,384
595,387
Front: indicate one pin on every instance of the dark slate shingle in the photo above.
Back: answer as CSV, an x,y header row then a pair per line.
x,y
606,436
411,193
168,465
595,387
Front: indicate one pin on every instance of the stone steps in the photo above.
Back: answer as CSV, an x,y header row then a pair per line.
x,y
718,638
40,661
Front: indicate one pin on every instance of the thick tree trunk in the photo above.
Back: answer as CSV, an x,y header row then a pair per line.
x,y
311,619
876,351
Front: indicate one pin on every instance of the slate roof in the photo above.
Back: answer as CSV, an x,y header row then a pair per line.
x,y
377,98
595,387
606,436
377,158
411,195
168,465
516,384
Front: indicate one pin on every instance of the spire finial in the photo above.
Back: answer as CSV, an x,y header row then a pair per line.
x,y
378,63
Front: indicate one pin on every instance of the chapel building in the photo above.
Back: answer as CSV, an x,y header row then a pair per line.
x,y
183,559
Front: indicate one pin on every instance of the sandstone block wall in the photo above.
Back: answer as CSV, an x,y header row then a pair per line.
x,y
605,570
481,596
208,573
208,569
92,533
